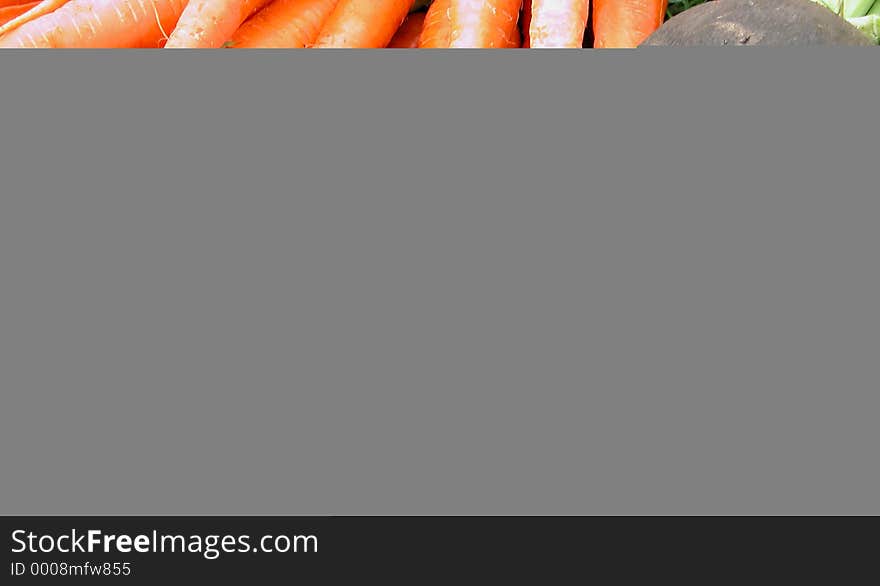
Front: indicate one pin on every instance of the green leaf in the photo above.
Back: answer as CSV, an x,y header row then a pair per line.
x,y
835,6
870,25
856,8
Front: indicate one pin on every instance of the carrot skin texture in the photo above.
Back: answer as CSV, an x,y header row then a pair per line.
x,y
558,23
362,24
472,24
407,36
284,24
40,9
484,23
207,24
99,24
7,13
514,39
438,26
625,24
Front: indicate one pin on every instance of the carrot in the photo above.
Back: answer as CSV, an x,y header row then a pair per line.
x,y
472,23
485,23
8,13
407,36
36,11
626,23
207,24
363,23
438,26
99,24
558,23
525,23
284,24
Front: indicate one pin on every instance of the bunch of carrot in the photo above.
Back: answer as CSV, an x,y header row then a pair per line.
x,y
326,23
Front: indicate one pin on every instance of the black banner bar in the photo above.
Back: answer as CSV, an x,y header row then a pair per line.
x,y
413,550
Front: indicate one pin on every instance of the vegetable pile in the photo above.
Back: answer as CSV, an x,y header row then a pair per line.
x,y
325,23
353,23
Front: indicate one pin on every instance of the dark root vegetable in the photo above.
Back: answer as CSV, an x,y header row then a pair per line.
x,y
757,22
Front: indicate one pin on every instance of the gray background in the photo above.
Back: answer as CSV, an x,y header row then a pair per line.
x,y
473,282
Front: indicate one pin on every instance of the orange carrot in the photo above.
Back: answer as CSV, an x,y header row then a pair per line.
x,y
472,23
625,24
36,11
99,24
363,23
407,36
438,25
284,24
8,13
558,23
207,24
